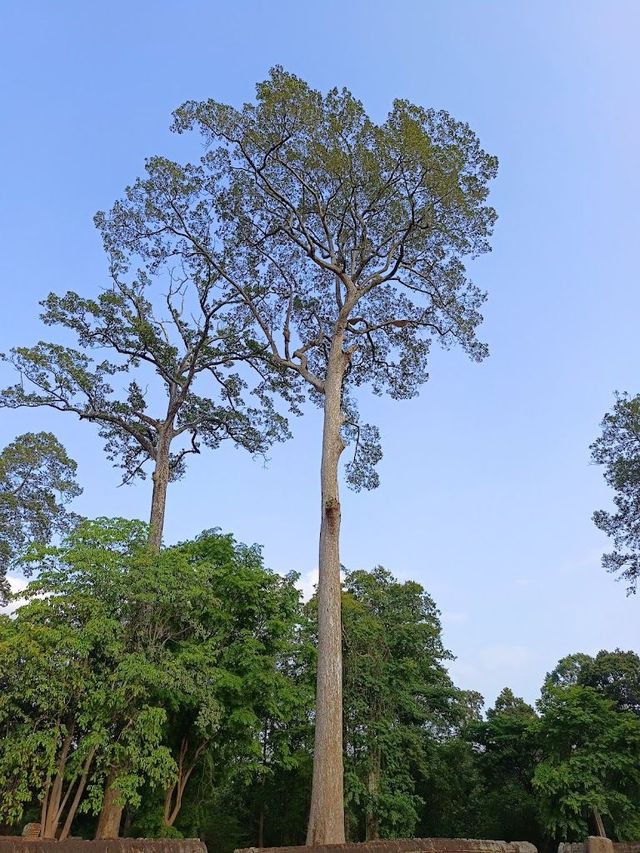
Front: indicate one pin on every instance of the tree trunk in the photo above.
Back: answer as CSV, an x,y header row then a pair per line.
x,y
73,808
599,824
51,813
44,806
326,818
172,806
129,814
160,484
173,795
111,812
265,742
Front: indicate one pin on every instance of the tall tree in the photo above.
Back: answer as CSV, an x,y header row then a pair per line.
x,y
618,450
175,352
342,241
37,481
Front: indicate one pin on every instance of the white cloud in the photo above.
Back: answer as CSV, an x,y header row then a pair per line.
x,y
16,584
307,583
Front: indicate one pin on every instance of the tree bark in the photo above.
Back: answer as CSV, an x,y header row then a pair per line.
x,y
174,794
51,813
73,808
599,823
265,741
173,799
160,478
111,812
45,805
326,818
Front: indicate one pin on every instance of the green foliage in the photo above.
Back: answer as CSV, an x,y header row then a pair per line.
x,y
618,450
398,699
320,226
37,481
134,651
507,751
185,679
590,764
615,675
172,351
453,792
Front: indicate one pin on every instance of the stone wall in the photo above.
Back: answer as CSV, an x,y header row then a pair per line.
x,y
17,844
409,845
594,844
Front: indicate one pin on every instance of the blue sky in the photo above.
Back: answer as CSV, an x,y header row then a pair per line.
x,y
487,491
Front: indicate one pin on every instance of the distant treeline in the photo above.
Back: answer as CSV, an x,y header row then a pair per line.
x,y
181,683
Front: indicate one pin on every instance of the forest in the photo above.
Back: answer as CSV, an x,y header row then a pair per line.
x,y
185,689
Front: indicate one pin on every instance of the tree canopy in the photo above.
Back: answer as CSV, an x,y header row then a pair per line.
x,y
37,482
588,778
174,691
125,666
395,686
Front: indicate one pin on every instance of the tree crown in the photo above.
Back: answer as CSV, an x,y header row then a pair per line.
x,y
325,229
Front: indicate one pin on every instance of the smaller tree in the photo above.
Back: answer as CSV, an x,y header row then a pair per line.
x,y
248,644
452,792
567,672
76,689
618,450
615,675
37,481
177,353
589,776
